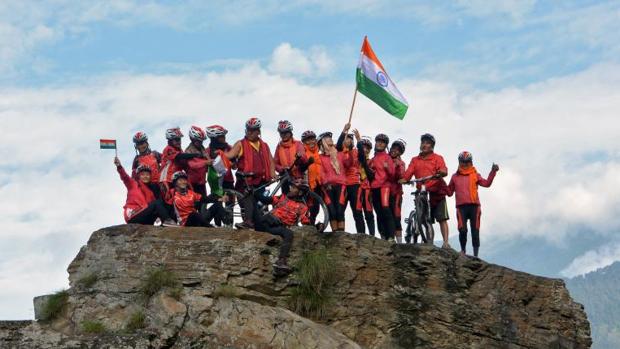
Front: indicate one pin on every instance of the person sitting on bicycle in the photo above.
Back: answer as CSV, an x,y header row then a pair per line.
x,y
428,163
288,210
144,156
314,169
364,203
382,168
464,184
197,167
345,144
396,188
333,179
219,146
253,159
290,154
187,203
141,205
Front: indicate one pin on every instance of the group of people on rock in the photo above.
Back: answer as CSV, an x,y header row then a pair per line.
x,y
350,172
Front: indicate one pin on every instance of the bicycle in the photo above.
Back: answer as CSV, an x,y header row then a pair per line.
x,y
236,211
419,222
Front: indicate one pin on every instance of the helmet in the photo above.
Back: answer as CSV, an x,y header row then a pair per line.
x,y
465,156
173,133
428,137
215,131
140,137
382,137
197,134
179,174
400,143
253,124
366,142
142,168
325,134
285,126
307,135
301,184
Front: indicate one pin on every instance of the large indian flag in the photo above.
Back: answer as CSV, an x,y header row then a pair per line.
x,y
374,83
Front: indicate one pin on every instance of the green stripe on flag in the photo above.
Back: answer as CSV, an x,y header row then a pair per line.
x,y
107,146
380,96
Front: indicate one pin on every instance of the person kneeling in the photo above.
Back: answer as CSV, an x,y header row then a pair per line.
x,y
288,210
187,203
142,205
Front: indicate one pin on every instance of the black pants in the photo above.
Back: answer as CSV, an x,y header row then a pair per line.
x,y
154,210
217,213
352,197
369,216
472,213
332,199
250,207
314,206
195,219
385,218
396,202
270,224
200,189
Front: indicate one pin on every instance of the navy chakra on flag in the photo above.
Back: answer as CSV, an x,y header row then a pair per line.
x,y
382,79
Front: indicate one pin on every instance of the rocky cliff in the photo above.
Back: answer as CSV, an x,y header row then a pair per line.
x,y
149,287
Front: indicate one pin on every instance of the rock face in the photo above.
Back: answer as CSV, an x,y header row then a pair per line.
x,y
386,296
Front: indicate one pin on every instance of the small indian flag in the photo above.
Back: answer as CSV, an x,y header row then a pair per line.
x,y
107,143
374,83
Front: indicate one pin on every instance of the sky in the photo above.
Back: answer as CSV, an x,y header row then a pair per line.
x,y
531,85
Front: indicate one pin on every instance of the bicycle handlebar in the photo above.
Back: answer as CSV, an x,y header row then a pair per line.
x,y
421,180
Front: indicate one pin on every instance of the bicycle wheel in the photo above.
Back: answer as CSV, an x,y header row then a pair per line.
x,y
235,211
410,220
322,218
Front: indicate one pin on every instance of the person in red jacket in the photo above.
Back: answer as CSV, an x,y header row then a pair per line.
x,y
219,146
334,165
382,168
197,166
141,205
396,188
288,210
311,148
173,159
186,203
253,157
290,154
144,156
427,163
352,173
364,201
464,184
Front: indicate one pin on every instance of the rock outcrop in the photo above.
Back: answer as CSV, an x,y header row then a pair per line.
x,y
386,296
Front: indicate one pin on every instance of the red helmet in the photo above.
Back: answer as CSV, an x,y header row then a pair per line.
x,y
307,135
465,156
140,137
253,124
215,131
197,134
173,133
285,126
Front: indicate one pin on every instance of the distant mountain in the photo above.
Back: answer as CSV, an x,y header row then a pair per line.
x,y
599,292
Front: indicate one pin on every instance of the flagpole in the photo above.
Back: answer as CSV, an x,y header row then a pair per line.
x,y
353,104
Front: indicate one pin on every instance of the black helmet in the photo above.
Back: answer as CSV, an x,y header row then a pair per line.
x,y
401,144
428,137
143,168
307,135
383,138
177,175
465,156
365,141
325,134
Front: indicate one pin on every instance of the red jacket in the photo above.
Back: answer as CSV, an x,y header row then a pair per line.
x,y
139,196
184,204
289,212
399,172
328,172
196,167
459,185
257,161
150,159
427,166
383,175
353,172
285,156
168,165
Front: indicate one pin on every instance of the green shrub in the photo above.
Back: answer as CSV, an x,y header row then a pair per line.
x,y
316,272
136,321
176,293
156,280
54,305
87,281
226,291
93,327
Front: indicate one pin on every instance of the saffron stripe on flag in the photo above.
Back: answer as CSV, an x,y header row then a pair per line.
x,y
107,144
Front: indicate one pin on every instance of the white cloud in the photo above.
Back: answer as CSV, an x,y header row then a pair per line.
x,y
593,260
288,60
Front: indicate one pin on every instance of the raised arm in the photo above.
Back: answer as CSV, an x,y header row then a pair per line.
x,y
489,180
124,176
